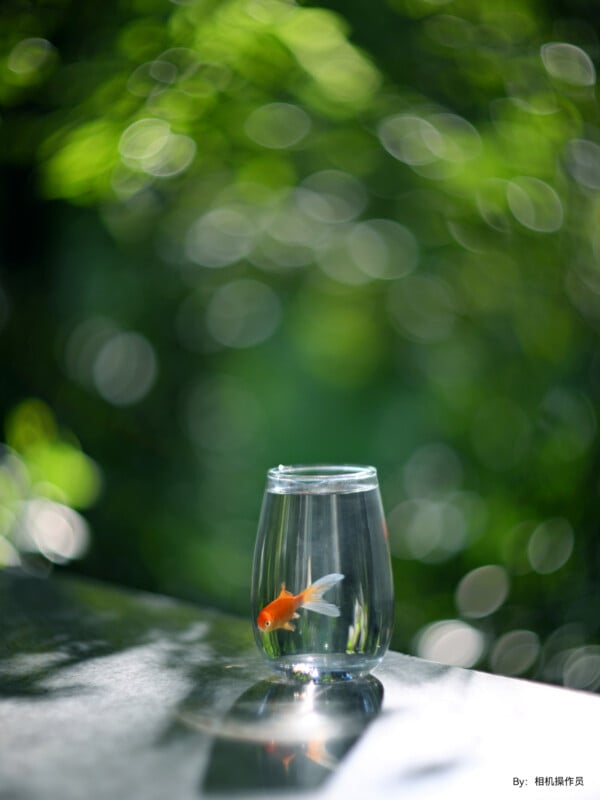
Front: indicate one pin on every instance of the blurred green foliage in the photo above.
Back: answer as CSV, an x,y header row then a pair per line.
x,y
242,233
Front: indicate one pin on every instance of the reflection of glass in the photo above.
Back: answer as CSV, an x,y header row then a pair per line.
x,y
322,592
282,734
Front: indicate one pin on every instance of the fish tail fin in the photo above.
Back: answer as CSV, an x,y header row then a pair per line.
x,y
313,596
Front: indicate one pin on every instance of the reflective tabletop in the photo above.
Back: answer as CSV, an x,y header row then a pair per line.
x,y
106,693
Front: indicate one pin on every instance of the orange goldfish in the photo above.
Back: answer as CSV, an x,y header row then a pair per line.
x,y
280,612
314,750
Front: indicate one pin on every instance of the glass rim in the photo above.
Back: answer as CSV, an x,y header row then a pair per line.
x,y
318,476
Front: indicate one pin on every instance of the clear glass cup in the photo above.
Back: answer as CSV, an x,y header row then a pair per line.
x,y
322,588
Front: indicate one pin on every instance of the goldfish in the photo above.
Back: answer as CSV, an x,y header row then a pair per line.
x,y
314,750
281,611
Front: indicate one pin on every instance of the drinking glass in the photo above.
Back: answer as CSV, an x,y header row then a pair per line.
x,y
322,589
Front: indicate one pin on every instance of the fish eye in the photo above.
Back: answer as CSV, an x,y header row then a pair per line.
x,y
268,623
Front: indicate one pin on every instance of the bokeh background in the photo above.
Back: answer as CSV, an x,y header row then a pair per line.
x,y
239,233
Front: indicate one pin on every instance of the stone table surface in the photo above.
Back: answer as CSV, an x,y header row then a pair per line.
x,y
108,694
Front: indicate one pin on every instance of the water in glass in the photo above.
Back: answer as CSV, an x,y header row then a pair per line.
x,y
322,591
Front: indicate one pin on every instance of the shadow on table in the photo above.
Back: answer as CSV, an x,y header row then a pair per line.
x,y
281,734
49,627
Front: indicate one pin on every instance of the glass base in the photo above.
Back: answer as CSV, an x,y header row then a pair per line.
x,y
321,667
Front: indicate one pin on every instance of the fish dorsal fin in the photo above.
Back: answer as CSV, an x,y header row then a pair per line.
x,y
284,592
